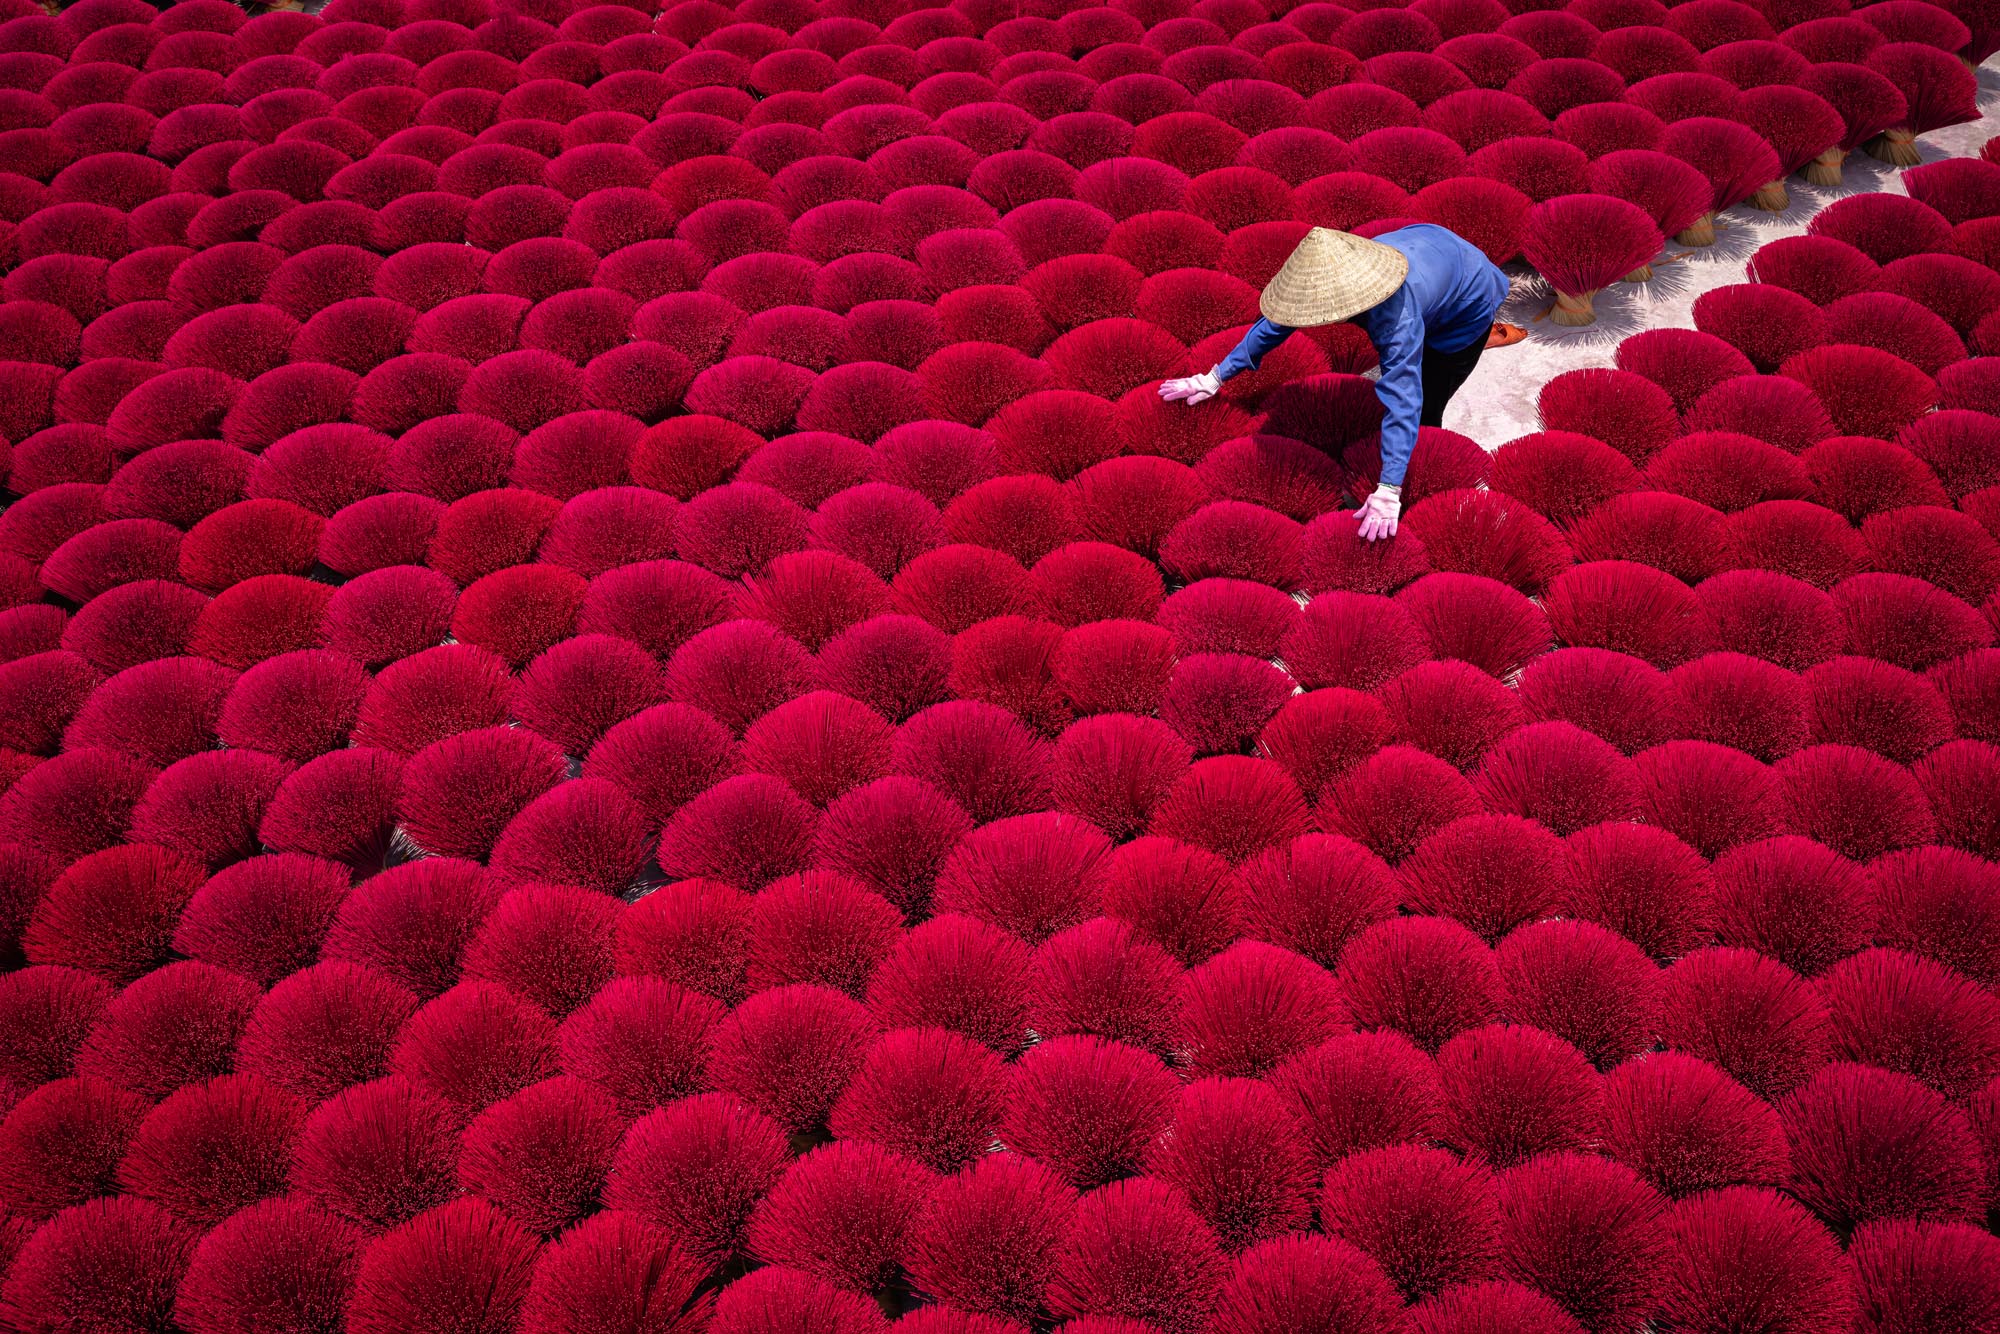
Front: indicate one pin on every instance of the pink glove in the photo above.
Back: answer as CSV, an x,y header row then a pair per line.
x,y
1195,389
1378,513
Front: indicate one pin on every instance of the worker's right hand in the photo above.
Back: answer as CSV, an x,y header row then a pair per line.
x,y
1194,389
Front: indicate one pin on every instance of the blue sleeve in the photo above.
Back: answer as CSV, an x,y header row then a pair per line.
x,y
1397,331
1249,353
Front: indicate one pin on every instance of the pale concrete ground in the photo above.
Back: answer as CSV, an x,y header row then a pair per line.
x,y
1498,402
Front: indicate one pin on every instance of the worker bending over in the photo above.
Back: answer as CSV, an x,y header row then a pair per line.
x,y
1424,296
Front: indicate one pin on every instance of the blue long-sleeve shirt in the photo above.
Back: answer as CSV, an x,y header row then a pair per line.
x,y
1447,302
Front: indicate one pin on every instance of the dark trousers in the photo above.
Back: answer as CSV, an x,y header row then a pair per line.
x,y
1444,372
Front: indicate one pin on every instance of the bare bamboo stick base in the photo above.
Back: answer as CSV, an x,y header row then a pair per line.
x,y
1898,148
1772,197
1825,169
1573,310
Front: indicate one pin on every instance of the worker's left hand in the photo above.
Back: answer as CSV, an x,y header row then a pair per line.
x,y
1379,513
1194,389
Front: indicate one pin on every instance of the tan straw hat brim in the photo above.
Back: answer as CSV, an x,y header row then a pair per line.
x,y
1333,276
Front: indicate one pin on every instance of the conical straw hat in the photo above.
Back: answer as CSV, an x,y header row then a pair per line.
x,y
1333,276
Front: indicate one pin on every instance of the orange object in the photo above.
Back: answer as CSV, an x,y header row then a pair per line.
x,y
1505,335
